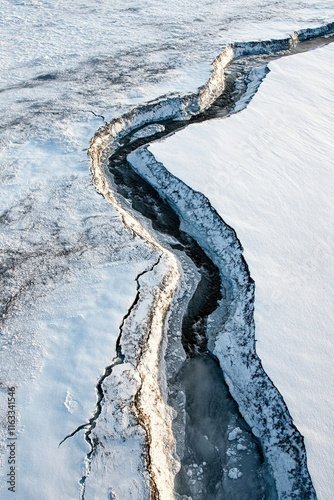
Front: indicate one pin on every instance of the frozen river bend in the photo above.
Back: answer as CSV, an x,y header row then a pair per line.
x,y
78,285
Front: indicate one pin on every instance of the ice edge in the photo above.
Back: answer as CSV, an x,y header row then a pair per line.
x,y
287,459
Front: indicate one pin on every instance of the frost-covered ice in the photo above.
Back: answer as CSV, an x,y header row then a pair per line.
x,y
267,170
234,434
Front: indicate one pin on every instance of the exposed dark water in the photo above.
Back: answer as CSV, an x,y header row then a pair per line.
x,y
213,467
222,460
221,457
146,200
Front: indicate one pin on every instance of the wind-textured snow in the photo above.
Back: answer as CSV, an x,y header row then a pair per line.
x,y
268,172
67,292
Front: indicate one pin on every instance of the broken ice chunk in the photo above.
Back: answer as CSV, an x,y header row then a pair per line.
x,y
152,129
234,473
241,447
234,434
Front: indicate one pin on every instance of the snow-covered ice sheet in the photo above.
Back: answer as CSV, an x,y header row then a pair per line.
x,y
79,324
70,270
268,172
66,68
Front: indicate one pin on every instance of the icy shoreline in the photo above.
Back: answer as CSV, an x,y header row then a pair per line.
x,y
234,342
268,172
274,425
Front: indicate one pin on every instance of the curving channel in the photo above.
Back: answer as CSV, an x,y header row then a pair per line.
x,y
211,413
221,457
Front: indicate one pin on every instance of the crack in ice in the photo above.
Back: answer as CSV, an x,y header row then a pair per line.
x,y
119,359
105,142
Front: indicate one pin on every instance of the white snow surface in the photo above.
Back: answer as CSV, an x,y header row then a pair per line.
x,y
268,172
61,331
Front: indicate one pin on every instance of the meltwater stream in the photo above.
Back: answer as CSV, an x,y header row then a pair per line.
x,y
222,459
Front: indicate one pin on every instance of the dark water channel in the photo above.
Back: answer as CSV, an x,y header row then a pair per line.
x,y
212,462
222,459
